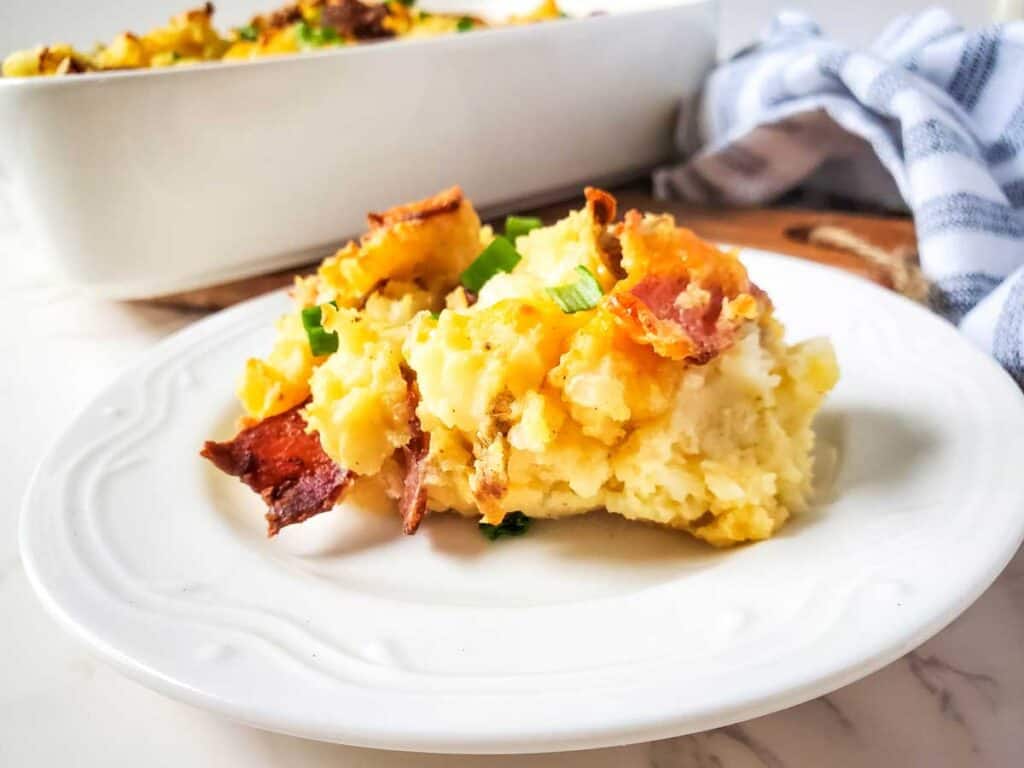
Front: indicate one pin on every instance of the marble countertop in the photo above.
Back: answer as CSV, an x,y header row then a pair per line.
x,y
956,701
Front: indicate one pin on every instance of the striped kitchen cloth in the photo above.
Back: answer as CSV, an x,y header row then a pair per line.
x,y
929,117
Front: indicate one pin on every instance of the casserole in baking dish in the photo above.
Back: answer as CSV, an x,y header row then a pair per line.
x,y
192,37
145,182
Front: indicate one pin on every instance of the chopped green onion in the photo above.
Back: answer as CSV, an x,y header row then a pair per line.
x,y
424,15
320,341
465,24
304,33
499,256
513,524
312,317
436,315
578,296
516,226
248,32
406,3
316,37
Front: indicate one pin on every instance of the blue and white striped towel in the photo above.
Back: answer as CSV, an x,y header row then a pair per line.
x,y
929,116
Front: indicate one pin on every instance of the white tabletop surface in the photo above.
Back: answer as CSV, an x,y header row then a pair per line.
x,y
956,701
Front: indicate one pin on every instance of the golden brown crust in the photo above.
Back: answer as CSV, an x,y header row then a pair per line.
x,y
448,201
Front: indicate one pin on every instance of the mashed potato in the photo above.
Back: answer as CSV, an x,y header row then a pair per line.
x,y
672,398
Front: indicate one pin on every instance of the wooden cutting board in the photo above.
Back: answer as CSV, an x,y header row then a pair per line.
x,y
882,249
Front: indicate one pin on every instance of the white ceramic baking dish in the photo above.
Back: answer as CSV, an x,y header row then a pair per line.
x,y
136,184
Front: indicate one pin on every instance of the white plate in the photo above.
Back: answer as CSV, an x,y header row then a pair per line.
x,y
584,633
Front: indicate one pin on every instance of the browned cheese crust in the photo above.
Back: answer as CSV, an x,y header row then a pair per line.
x,y
444,202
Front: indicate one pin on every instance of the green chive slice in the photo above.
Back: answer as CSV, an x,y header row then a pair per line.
x,y
248,32
499,256
581,295
312,317
316,37
320,341
465,24
304,33
516,226
513,524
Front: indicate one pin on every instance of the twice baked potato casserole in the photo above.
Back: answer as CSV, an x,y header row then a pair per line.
x,y
306,25
596,363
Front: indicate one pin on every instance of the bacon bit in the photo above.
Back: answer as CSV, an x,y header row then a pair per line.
x,y
611,248
654,312
279,19
602,207
413,504
601,204
284,464
448,201
352,18
683,297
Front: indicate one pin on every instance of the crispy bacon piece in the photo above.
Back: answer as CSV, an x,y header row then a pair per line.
x,y
413,504
282,17
677,323
601,204
683,297
285,465
602,207
447,201
352,18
